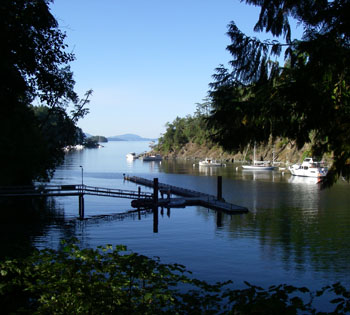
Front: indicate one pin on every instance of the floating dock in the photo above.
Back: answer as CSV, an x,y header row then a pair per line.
x,y
189,197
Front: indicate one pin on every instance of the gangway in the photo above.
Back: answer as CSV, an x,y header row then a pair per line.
x,y
70,190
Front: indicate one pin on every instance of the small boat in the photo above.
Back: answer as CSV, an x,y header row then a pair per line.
x,y
309,168
131,156
210,162
156,157
260,165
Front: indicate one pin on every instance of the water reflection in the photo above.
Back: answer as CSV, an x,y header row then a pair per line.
x,y
294,233
302,242
22,221
153,166
210,170
260,175
303,180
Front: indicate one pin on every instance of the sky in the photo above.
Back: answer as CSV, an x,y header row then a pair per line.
x,y
147,62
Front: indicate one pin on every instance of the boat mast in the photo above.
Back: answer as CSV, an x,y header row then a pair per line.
x,y
254,154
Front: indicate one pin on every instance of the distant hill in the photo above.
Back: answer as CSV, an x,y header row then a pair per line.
x,y
129,137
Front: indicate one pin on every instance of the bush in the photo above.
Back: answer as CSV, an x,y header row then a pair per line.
x,y
111,280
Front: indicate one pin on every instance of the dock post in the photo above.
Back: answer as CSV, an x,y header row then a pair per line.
x,y
155,205
155,191
219,195
168,194
138,198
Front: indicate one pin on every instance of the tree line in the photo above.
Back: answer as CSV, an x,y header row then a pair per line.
x,y
192,128
305,100
34,69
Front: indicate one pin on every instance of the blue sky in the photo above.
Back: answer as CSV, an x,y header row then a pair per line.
x,y
146,61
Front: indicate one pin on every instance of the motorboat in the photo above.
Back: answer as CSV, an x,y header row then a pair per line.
x,y
210,162
309,168
131,156
156,157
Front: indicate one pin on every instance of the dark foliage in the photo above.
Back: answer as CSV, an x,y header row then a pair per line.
x,y
33,67
112,281
305,100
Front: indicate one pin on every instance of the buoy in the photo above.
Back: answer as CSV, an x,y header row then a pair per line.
x,y
237,168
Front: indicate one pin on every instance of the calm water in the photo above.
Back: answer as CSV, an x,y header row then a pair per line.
x,y
294,233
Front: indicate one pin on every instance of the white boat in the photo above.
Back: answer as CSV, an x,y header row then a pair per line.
x,y
309,168
156,157
131,156
210,162
260,165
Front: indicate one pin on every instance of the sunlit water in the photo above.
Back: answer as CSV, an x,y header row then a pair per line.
x,y
294,232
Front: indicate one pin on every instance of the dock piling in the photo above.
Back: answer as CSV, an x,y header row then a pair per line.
x,y
155,190
219,194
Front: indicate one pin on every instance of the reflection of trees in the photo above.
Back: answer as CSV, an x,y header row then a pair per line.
x,y
294,236
191,167
177,167
299,224
23,220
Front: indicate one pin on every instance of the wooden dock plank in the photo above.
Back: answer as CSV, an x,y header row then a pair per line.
x,y
190,197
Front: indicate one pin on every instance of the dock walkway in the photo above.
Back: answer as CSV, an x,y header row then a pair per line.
x,y
70,190
190,197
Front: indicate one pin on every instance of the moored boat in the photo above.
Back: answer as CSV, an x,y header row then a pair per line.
x,y
260,165
309,168
156,157
210,162
131,156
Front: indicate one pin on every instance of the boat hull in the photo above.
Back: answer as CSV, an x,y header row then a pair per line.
x,y
210,162
131,156
308,173
258,168
152,158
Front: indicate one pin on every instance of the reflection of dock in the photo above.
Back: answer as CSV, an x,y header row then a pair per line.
x,y
190,197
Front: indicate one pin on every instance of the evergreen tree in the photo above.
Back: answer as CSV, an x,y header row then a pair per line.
x,y
306,99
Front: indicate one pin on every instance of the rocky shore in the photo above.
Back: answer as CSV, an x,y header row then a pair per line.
x,y
284,152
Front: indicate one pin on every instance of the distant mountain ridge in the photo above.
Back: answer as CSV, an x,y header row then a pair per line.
x,y
129,137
